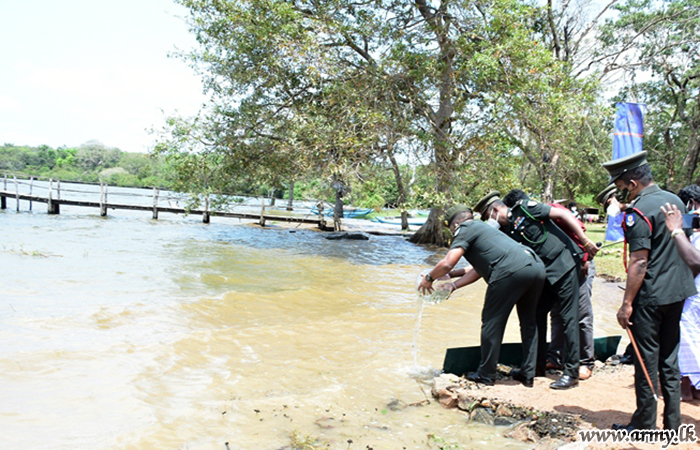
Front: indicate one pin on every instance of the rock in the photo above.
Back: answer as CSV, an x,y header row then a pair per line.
x,y
482,415
500,421
503,411
445,390
599,364
466,402
448,400
485,403
396,405
350,236
522,433
445,382
505,370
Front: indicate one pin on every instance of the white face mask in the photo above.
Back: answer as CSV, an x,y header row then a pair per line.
x,y
494,222
613,210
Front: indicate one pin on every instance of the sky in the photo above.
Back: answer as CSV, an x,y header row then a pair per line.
x,y
72,71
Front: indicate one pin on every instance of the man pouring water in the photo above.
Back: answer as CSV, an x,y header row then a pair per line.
x,y
515,276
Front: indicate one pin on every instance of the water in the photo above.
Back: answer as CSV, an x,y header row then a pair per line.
x,y
128,333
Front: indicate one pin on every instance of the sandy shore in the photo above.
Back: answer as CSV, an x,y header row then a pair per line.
x,y
604,399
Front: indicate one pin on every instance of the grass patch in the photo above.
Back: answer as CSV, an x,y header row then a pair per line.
x,y
608,261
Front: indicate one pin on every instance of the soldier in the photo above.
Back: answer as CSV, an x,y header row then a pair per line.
x,y
514,275
658,282
585,307
530,223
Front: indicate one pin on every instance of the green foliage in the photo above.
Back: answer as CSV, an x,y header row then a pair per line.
x,y
660,39
91,162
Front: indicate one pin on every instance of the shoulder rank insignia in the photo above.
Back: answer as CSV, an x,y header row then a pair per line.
x,y
531,203
630,219
518,222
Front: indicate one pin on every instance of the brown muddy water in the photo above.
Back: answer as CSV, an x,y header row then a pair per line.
x,y
128,333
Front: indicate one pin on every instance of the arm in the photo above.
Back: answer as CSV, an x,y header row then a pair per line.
x,y
674,224
572,225
467,278
635,275
442,268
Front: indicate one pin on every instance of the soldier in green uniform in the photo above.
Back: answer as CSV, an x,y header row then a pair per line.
x,y
530,223
515,276
658,282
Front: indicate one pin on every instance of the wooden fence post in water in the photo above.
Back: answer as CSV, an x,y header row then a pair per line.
x,y
290,204
16,191
3,200
155,203
31,190
262,212
205,216
103,199
54,208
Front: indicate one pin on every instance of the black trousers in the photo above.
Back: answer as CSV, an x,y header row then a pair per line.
x,y
585,325
522,290
565,293
656,330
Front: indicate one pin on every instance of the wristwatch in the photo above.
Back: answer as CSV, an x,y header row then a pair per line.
x,y
429,277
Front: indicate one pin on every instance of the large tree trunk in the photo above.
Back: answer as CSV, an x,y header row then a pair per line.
x,y
548,184
433,231
690,162
440,120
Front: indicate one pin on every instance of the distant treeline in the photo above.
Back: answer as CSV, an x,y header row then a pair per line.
x,y
94,162
90,162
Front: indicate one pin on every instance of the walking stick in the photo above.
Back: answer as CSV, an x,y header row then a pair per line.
x,y
641,362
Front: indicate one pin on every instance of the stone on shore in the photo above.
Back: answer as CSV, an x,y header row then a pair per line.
x,y
547,429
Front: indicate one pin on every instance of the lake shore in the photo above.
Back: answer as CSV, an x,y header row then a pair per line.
x,y
599,402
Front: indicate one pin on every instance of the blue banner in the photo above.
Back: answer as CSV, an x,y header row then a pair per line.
x,y
629,130
614,231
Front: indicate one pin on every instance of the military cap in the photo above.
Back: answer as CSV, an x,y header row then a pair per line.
x,y
486,201
603,196
617,167
452,212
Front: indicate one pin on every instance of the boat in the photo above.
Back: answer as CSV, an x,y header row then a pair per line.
x,y
357,213
416,221
461,360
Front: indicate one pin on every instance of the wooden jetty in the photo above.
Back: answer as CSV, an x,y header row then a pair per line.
x,y
54,202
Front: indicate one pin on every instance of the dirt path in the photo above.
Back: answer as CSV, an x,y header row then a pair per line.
x,y
604,399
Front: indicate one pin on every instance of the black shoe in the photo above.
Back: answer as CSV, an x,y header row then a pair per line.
x,y
517,375
619,426
476,378
564,382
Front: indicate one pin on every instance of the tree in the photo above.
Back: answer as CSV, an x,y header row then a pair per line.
x,y
93,155
661,39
